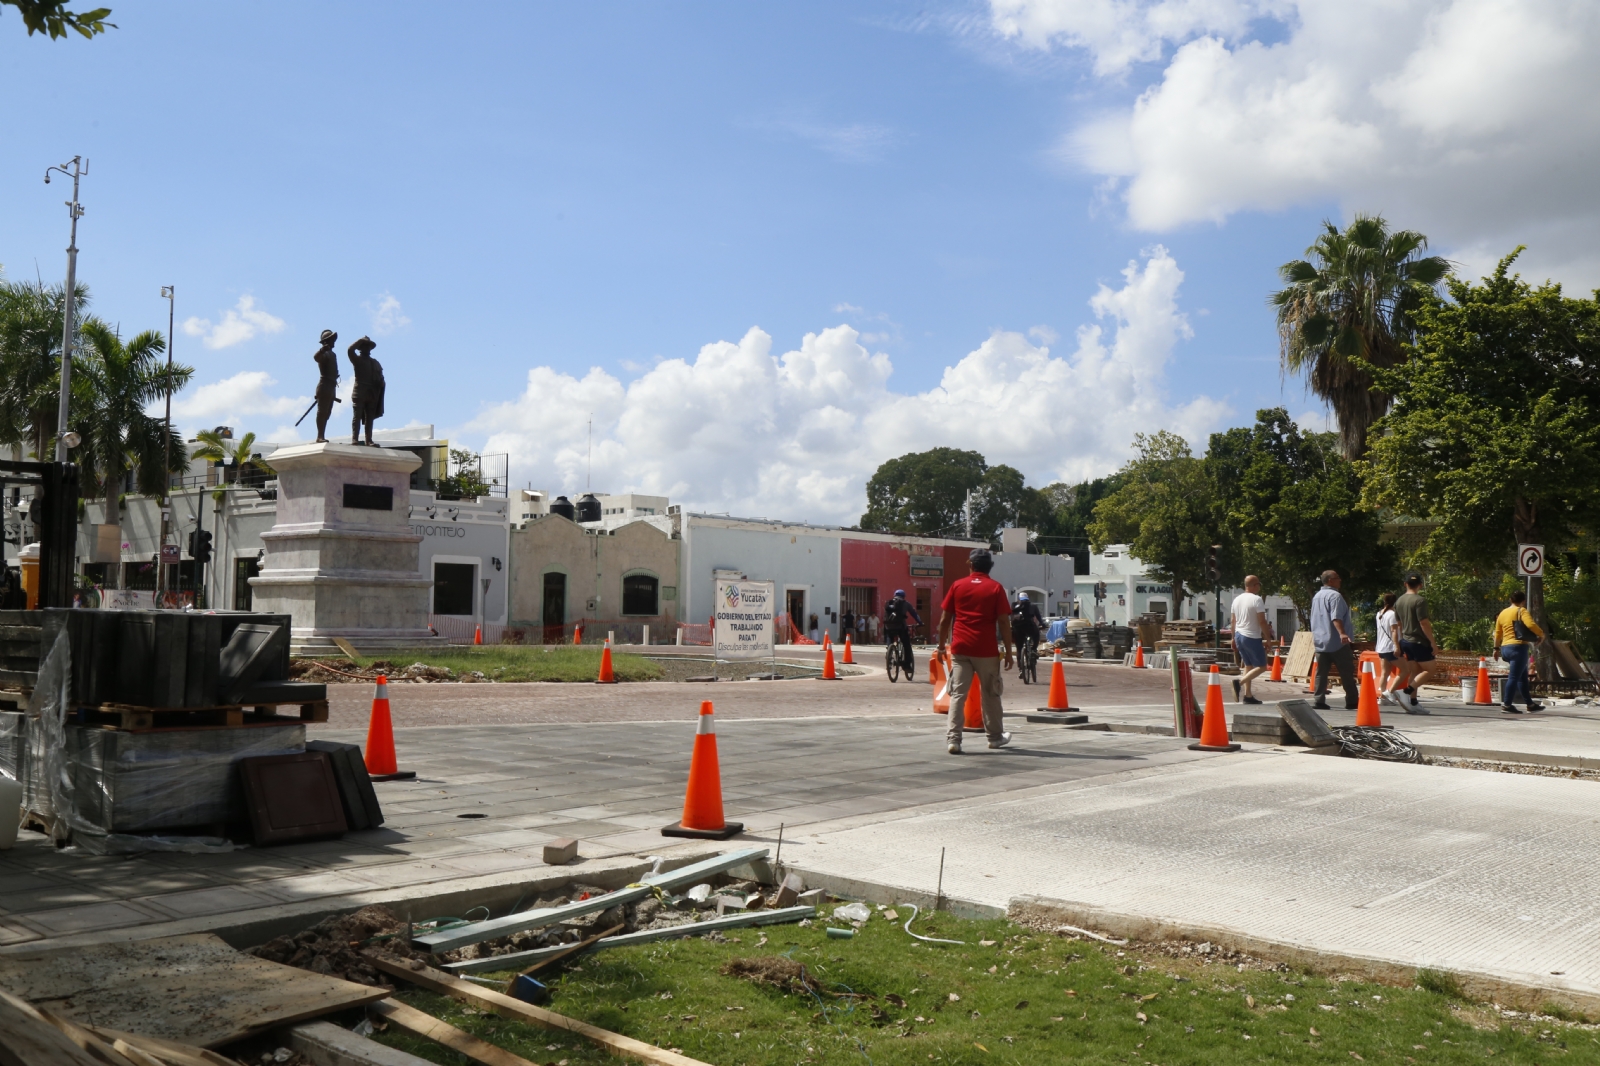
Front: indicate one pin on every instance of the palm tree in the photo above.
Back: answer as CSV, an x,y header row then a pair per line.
x,y
1353,297
113,385
30,362
229,452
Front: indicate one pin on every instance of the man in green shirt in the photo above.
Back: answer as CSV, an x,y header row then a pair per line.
x,y
1416,643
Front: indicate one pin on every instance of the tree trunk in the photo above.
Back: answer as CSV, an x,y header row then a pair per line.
x,y
114,519
1525,525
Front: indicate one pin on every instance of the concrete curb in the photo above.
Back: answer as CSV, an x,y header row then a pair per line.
x,y
499,892
1491,988
1563,762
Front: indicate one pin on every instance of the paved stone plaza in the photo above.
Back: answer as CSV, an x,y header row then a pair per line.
x,y
1486,873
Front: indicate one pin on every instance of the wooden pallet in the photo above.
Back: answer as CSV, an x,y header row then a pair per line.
x,y
122,716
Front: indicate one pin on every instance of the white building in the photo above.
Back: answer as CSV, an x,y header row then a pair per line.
x,y
464,542
613,510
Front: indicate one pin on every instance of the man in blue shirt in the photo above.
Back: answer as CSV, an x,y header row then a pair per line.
x,y
1331,633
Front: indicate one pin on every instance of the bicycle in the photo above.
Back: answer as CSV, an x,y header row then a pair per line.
x,y
1028,660
897,659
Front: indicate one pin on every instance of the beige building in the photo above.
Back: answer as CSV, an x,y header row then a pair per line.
x,y
620,578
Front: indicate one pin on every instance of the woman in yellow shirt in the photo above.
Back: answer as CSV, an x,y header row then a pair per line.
x,y
1515,633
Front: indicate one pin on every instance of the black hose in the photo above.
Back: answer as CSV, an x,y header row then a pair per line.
x,y
1367,743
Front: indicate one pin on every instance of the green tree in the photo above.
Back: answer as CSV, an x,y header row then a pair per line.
x,y
1494,434
233,455
30,362
113,385
924,492
1348,307
53,18
1165,510
1292,509
467,482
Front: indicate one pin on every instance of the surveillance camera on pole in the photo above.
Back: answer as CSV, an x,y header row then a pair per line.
x,y
79,168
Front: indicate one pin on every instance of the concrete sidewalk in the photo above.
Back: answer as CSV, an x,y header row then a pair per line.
x,y
1462,870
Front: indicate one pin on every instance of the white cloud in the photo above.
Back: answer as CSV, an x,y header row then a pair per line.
x,y
387,315
1471,120
856,142
239,323
245,402
796,435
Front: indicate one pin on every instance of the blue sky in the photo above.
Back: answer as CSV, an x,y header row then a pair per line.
x,y
577,186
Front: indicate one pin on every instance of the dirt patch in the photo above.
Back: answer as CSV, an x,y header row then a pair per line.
x,y
334,946
1531,769
786,975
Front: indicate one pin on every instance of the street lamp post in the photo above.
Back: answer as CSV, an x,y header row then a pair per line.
x,y
168,293
80,167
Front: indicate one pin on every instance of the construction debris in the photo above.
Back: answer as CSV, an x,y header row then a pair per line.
x,y
560,852
334,945
778,972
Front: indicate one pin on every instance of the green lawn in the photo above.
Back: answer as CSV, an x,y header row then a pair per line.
x,y
1024,997
507,662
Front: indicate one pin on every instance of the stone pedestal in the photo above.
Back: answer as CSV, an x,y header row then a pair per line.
x,y
342,559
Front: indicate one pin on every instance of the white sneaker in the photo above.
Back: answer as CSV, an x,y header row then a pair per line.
x,y
1005,738
955,749
1387,697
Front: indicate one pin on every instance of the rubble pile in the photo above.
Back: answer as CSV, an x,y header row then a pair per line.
x,y
334,946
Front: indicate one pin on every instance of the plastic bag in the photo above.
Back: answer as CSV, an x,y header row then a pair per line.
x,y
853,912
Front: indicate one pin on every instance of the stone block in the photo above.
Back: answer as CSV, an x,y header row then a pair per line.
x,y
729,904
813,898
1262,728
560,852
790,890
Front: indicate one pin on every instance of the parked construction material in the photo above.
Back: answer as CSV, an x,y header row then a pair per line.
x,y
490,929
702,800
420,1023
560,852
361,809
496,963
292,797
1308,725
326,1044
194,989
566,952
516,1010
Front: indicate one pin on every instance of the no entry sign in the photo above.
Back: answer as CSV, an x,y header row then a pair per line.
x,y
1530,560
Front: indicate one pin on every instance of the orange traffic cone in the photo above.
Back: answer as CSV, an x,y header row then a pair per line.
x,y
1484,694
1138,656
848,658
1277,662
972,709
702,801
828,673
379,756
1367,707
1311,678
477,634
1058,688
1214,727
577,634
606,676
941,693
935,671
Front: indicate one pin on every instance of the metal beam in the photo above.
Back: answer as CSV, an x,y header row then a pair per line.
x,y
520,959
477,932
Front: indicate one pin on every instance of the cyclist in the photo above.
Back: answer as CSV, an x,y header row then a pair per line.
x,y
1026,624
895,613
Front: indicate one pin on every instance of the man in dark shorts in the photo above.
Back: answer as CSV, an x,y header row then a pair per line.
x,y
1416,643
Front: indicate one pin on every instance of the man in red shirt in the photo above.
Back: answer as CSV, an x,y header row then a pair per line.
x,y
973,608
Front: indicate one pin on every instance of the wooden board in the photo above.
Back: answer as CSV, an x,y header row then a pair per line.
x,y
509,1007
192,989
428,1027
28,1040
1302,653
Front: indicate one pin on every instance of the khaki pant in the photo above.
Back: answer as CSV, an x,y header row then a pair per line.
x,y
990,685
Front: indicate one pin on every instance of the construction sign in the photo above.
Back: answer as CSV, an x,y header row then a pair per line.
x,y
743,625
1530,560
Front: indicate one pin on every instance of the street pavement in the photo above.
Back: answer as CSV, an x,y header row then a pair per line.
x,y
1482,872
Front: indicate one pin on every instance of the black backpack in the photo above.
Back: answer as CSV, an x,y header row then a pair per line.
x,y
894,612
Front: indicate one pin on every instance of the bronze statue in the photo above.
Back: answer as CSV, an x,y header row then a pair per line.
x,y
327,382
366,397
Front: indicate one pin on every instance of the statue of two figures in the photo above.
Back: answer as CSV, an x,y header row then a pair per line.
x,y
366,398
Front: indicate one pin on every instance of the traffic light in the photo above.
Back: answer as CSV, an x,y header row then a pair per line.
x,y
1213,567
200,546
1099,591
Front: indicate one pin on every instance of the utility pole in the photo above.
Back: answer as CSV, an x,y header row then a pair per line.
x,y
169,293
80,167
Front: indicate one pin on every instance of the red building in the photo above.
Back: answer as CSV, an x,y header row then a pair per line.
x,y
873,565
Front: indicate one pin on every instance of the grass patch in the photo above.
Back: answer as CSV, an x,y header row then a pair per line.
x,y
1440,982
509,662
1028,997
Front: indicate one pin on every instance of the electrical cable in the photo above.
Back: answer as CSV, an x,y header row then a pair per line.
x,y
1365,742
928,939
